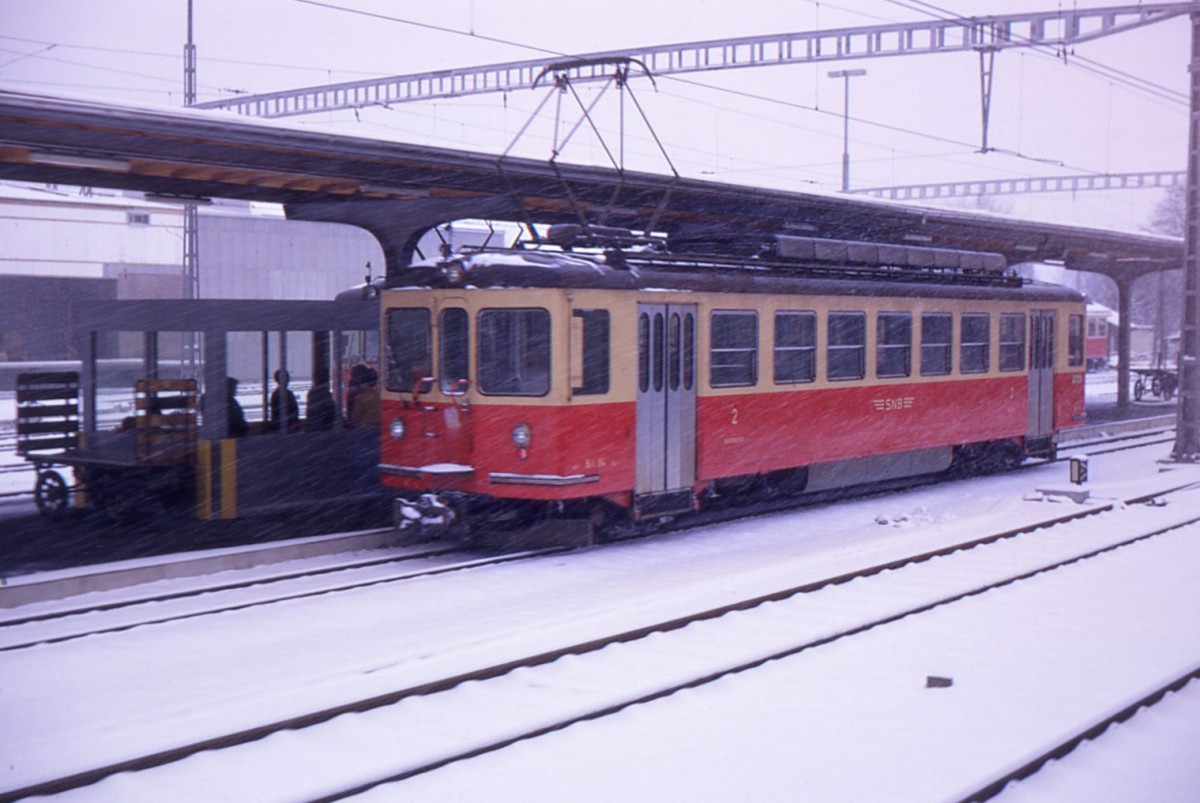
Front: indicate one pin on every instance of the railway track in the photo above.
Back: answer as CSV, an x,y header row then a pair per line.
x,y
271,589
772,619
68,623
1092,731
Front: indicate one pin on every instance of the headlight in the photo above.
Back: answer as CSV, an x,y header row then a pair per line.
x,y
453,271
396,428
522,435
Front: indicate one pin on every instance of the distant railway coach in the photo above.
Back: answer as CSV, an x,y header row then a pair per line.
x,y
1101,336
588,383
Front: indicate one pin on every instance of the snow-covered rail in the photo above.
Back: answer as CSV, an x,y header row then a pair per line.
x,y
652,663
51,625
1091,731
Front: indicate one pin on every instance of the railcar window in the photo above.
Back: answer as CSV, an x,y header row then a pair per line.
x,y
659,340
409,352
644,352
1012,342
975,352
1075,341
937,331
795,347
596,339
734,357
514,352
689,351
674,352
846,356
453,345
893,344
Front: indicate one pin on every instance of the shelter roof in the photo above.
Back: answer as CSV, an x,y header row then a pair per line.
x,y
398,191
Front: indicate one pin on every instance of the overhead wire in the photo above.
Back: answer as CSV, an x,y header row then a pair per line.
x,y
1085,63
512,43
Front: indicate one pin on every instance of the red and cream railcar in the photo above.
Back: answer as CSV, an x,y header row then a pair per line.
x,y
652,383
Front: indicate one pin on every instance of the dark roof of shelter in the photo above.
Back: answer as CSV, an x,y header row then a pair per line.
x,y
398,191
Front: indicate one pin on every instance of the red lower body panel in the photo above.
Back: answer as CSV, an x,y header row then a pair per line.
x,y
584,450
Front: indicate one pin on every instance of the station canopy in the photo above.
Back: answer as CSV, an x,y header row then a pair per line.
x,y
399,191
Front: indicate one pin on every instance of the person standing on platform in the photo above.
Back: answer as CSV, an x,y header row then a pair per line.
x,y
285,412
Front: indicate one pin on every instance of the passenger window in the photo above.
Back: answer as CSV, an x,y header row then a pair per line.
x,y
893,344
734,356
453,344
847,350
937,329
795,347
659,340
643,352
689,351
514,352
409,352
1075,341
595,345
674,353
975,352
1012,342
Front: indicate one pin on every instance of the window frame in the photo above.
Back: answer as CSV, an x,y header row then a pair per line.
x,y
1076,341
747,367
934,351
965,346
1009,348
448,383
525,342
393,379
884,348
783,354
596,351
835,361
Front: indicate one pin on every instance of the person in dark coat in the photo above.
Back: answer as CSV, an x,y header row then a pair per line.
x,y
362,398
321,414
285,412
238,427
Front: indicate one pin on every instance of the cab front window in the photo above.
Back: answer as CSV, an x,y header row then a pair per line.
x,y
409,352
514,352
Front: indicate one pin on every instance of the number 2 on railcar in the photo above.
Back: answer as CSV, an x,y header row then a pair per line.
x,y
573,384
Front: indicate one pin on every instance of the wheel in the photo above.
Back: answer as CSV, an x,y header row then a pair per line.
x,y
1139,390
1156,386
51,493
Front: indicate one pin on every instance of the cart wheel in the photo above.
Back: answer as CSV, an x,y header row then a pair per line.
x,y
50,493
1139,390
1156,386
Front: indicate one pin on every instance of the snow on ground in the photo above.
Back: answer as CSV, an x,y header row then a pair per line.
x,y
223,672
855,721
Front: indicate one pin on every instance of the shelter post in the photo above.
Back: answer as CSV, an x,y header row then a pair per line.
x,y
1187,438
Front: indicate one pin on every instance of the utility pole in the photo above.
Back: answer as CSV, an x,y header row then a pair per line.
x,y
191,216
1187,438
846,75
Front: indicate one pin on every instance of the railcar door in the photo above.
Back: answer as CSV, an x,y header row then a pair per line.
x,y
453,378
666,407
1041,373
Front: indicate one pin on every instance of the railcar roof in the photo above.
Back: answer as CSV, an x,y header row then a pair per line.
x,y
555,269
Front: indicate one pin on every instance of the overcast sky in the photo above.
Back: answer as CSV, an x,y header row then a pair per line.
x,y
914,119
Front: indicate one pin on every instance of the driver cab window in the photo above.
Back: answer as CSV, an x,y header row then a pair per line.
x,y
408,348
453,344
514,352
